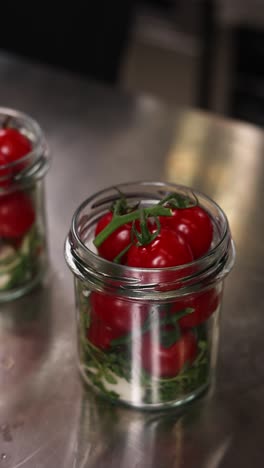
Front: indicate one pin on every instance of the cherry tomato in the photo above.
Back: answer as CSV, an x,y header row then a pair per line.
x,y
13,144
194,224
121,315
116,242
99,334
5,173
204,304
167,362
16,215
166,250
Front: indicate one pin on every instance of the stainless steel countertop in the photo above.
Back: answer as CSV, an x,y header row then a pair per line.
x,y
99,137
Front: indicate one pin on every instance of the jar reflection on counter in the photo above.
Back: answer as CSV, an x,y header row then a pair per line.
x,y
23,246
147,337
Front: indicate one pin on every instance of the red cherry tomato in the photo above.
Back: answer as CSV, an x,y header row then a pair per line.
x,y
100,335
16,215
116,242
167,362
5,173
13,144
121,315
194,224
166,250
204,304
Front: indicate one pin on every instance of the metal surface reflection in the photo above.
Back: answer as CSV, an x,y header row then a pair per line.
x,y
133,439
221,160
24,339
99,138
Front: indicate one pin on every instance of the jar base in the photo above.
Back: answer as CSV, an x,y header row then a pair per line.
x,y
176,404
16,293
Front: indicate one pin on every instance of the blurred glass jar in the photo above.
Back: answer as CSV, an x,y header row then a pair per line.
x,y
147,337
23,164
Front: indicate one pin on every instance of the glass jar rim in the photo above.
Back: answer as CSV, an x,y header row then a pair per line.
x,y
83,261
37,160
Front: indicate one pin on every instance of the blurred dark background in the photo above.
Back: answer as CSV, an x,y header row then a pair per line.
x,y
200,53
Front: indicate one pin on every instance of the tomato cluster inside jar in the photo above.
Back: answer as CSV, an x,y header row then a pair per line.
x,y
148,301
23,163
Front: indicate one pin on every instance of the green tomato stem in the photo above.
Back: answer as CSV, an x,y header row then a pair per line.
x,y
167,320
120,220
118,258
175,200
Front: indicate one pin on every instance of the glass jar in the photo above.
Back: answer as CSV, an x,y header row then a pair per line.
x,y
23,256
147,337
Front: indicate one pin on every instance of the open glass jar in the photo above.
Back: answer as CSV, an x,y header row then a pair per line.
x,y
23,164
147,337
